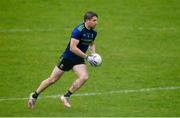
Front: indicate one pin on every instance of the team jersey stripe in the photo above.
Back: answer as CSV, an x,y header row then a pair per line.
x,y
81,27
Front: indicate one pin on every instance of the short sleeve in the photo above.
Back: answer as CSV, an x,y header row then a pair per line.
x,y
76,34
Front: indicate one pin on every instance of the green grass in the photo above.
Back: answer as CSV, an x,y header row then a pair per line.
x,y
138,40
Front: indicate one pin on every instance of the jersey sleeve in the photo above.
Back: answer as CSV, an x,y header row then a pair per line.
x,y
76,34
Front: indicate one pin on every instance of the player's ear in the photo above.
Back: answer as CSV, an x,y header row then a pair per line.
x,y
86,20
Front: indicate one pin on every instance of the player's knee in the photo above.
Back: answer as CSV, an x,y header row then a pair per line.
x,y
51,80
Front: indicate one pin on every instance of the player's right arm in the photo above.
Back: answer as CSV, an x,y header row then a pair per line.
x,y
73,48
77,51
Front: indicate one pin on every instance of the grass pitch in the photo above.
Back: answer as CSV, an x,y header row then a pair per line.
x,y
139,41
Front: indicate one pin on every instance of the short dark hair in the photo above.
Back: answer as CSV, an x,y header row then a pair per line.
x,y
89,15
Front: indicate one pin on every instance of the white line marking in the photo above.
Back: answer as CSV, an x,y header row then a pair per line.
x,y
24,30
69,29
103,93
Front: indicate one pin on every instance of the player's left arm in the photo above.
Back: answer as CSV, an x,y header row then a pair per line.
x,y
92,48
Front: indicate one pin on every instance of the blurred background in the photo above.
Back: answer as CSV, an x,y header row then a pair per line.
x,y
139,41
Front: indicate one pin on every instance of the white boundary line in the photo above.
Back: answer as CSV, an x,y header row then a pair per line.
x,y
103,93
24,30
68,29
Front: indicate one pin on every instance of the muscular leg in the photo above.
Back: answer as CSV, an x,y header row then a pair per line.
x,y
82,76
55,75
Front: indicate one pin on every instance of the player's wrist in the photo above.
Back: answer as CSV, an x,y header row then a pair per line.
x,y
85,57
93,53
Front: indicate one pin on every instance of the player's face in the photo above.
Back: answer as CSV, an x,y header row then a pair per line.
x,y
92,22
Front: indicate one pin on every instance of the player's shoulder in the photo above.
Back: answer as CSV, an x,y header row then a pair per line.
x,y
80,27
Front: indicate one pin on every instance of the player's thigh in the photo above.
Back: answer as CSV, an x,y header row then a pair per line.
x,y
56,73
81,71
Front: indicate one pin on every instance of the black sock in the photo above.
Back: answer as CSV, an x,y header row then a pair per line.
x,y
35,95
68,94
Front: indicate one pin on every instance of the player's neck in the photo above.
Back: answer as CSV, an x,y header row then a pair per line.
x,y
87,27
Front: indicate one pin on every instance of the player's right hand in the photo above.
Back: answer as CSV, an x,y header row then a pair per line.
x,y
90,59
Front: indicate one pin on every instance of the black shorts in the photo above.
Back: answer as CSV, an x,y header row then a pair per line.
x,y
66,64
